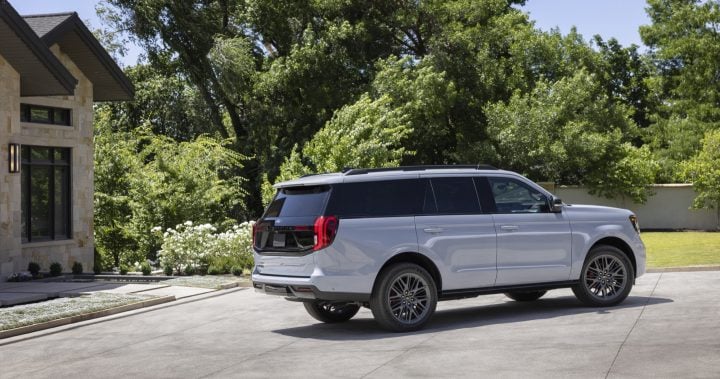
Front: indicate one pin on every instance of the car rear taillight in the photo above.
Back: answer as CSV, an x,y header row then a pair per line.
x,y
325,230
254,232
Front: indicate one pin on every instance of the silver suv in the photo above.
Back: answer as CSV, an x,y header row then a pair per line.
x,y
399,240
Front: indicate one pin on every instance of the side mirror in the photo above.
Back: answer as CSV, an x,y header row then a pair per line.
x,y
556,205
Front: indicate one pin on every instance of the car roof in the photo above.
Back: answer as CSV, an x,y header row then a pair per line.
x,y
406,172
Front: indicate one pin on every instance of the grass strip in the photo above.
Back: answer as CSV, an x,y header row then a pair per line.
x,y
680,249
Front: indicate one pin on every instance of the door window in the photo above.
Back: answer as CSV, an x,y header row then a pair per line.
x,y
513,196
455,195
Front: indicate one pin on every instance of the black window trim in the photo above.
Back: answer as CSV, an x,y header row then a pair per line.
x,y
27,164
26,112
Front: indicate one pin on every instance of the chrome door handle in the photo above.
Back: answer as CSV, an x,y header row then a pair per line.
x,y
433,230
510,228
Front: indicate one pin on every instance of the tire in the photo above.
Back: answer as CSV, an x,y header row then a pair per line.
x,y
404,298
525,296
331,312
607,277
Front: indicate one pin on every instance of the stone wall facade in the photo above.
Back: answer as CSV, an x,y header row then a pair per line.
x,y
15,255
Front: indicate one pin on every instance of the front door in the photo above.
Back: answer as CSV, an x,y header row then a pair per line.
x,y
533,244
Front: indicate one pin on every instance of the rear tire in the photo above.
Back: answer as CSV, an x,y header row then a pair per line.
x,y
404,298
525,296
331,312
607,277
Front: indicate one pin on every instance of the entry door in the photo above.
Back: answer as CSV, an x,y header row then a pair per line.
x,y
455,232
533,244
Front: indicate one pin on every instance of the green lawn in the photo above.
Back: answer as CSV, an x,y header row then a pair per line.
x,y
676,249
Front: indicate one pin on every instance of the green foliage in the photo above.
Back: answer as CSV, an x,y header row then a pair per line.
x,y
34,268
55,269
77,268
570,132
271,90
199,247
168,269
145,268
703,171
124,269
364,134
683,38
236,270
189,270
143,180
213,270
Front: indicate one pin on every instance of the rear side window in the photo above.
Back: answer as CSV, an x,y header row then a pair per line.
x,y
298,202
378,199
455,195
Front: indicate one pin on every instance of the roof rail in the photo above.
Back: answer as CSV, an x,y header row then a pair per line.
x,y
361,171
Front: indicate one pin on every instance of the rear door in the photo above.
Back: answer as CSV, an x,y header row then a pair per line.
x,y
284,236
533,244
454,231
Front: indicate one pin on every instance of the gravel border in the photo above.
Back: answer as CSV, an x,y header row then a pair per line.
x,y
68,312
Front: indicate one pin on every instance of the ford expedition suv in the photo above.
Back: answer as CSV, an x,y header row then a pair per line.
x,y
399,240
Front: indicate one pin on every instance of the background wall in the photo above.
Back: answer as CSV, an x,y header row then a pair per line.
x,y
669,208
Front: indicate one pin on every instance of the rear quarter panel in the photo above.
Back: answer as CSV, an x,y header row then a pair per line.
x,y
361,247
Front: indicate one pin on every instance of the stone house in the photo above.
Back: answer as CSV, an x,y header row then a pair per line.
x,y
52,70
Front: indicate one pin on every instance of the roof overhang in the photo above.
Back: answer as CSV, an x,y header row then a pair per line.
x,y
41,73
67,30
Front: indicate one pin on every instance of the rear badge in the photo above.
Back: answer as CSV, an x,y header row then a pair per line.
x,y
278,240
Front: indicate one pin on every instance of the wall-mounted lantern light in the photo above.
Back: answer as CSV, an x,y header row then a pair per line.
x,y
14,157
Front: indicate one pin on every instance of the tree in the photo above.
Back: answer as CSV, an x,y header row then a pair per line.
x,y
143,181
571,132
703,170
684,38
364,134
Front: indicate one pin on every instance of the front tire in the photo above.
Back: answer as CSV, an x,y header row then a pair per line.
x,y
607,277
404,298
331,312
525,296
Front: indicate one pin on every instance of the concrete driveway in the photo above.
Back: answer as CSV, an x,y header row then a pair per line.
x,y
668,327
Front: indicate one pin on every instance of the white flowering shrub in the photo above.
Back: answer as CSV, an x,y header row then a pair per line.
x,y
200,246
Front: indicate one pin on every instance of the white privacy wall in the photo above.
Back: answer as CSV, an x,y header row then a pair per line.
x,y
669,208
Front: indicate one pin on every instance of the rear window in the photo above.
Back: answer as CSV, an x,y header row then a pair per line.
x,y
298,202
378,199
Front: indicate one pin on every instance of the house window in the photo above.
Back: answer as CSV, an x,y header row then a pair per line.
x,y
45,193
44,115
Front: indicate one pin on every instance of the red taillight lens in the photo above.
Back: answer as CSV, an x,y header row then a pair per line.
x,y
325,230
254,233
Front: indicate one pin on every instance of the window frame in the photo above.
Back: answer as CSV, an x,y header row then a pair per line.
x,y
489,198
26,114
471,178
27,165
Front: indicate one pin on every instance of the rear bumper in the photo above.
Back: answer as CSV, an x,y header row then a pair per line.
x,y
301,289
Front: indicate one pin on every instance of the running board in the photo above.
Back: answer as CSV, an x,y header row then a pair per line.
x,y
474,292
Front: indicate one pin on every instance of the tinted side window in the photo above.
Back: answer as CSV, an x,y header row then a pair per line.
x,y
513,196
377,199
455,195
298,202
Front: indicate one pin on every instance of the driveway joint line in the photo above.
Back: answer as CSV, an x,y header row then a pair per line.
x,y
398,356
627,336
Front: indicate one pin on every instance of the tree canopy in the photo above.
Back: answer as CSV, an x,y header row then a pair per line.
x,y
289,87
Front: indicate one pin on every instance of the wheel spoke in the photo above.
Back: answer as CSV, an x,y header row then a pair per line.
x,y
605,276
408,298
